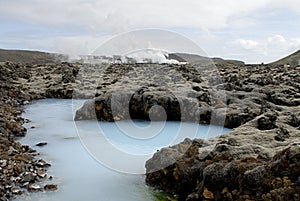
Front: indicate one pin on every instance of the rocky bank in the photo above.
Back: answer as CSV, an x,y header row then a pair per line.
x,y
21,168
258,160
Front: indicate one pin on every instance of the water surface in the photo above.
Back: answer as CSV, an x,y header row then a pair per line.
x,y
77,171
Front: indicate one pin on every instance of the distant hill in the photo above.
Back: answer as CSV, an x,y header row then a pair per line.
x,y
293,60
228,61
30,57
193,58
37,57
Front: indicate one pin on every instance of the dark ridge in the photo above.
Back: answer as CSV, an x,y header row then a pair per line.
x,y
190,58
30,57
193,58
292,60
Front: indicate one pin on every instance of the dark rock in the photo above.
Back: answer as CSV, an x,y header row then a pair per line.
x,y
68,76
196,88
204,97
42,164
266,123
250,176
41,173
294,121
282,134
143,104
34,188
40,144
221,147
28,177
50,187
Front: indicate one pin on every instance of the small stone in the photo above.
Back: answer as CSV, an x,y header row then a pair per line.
x,y
221,148
25,102
25,184
34,188
28,177
41,173
232,142
277,183
282,135
205,155
12,150
235,192
16,191
117,118
286,182
266,197
196,88
208,194
266,123
40,144
294,121
225,190
27,120
17,169
226,194
193,196
42,164
50,187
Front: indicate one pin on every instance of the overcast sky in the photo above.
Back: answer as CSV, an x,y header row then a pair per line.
x,y
254,31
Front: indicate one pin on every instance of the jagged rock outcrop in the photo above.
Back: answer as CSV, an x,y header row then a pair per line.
x,y
258,160
145,103
243,164
240,97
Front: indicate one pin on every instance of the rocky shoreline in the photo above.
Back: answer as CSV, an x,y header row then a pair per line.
x,y
21,168
258,160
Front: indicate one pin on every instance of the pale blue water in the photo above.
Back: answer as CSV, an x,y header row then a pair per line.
x,y
81,152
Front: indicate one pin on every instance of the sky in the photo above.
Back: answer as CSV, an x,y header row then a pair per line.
x,y
253,31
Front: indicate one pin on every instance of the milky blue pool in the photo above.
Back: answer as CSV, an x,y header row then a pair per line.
x,y
89,158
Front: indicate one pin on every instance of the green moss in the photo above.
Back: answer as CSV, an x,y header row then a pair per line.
x,y
163,197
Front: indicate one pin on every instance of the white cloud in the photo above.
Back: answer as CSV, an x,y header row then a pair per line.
x,y
247,44
277,40
123,14
272,47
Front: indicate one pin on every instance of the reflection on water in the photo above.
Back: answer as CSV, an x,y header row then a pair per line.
x,y
78,174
